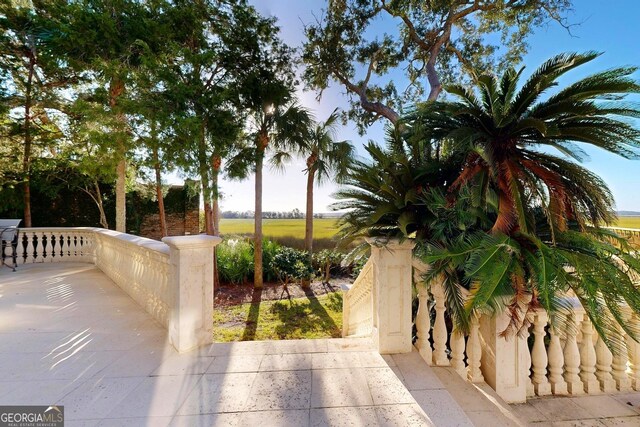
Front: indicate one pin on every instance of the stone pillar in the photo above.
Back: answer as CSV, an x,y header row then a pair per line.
x,y
392,281
504,360
191,279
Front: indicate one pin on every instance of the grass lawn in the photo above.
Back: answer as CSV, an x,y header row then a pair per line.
x,y
308,317
323,228
628,221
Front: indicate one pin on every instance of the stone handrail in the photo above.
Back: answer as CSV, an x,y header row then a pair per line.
x,y
172,280
357,319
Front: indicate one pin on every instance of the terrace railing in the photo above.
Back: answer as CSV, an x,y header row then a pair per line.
x,y
357,318
573,360
172,280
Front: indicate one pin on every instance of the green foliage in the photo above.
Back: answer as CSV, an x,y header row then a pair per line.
x,y
514,227
435,41
326,262
235,260
291,265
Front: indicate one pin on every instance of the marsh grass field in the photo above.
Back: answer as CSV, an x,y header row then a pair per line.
x,y
289,232
326,228
629,222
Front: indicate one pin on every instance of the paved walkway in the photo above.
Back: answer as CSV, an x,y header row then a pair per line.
x,y
69,336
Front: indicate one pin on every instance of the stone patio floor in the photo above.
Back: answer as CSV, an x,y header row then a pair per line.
x,y
71,337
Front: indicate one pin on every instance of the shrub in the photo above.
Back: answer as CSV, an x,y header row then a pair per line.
x,y
327,261
269,251
291,265
235,260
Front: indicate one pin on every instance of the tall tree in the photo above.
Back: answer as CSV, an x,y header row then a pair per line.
x,y
436,41
277,127
104,39
326,159
31,76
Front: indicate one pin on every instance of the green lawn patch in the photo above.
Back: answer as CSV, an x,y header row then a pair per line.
x,y
300,318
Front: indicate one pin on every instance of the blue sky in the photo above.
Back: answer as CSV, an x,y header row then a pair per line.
x,y
609,27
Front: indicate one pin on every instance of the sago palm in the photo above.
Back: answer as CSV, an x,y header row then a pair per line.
x,y
545,239
503,128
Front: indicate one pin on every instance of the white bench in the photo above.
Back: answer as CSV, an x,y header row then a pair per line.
x,y
9,232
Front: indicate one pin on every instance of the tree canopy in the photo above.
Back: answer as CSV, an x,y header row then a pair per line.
x,y
366,45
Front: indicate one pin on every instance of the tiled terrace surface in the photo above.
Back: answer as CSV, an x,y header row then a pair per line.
x,y
69,336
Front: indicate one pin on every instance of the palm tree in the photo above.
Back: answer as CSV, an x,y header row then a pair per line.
x,y
279,127
326,158
545,237
502,129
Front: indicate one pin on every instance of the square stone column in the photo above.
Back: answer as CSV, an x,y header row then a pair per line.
x,y
392,282
504,360
191,279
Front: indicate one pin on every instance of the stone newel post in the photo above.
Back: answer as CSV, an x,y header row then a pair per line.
x,y
505,363
191,278
392,280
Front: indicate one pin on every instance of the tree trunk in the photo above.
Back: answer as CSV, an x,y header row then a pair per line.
x,y
205,183
116,89
98,199
308,232
257,237
156,166
121,196
26,160
216,162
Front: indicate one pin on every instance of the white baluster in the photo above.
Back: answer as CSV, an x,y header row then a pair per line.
x,y
423,325
53,255
76,247
60,248
48,247
633,351
572,357
439,328
556,364
619,366
604,360
39,246
67,247
539,355
456,341
588,359
20,248
30,248
531,391
474,352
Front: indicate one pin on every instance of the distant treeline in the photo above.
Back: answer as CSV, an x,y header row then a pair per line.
x,y
294,214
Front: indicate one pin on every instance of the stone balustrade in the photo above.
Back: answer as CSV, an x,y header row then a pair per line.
x,y
357,311
172,280
450,346
379,302
631,234
575,360
572,361
542,361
